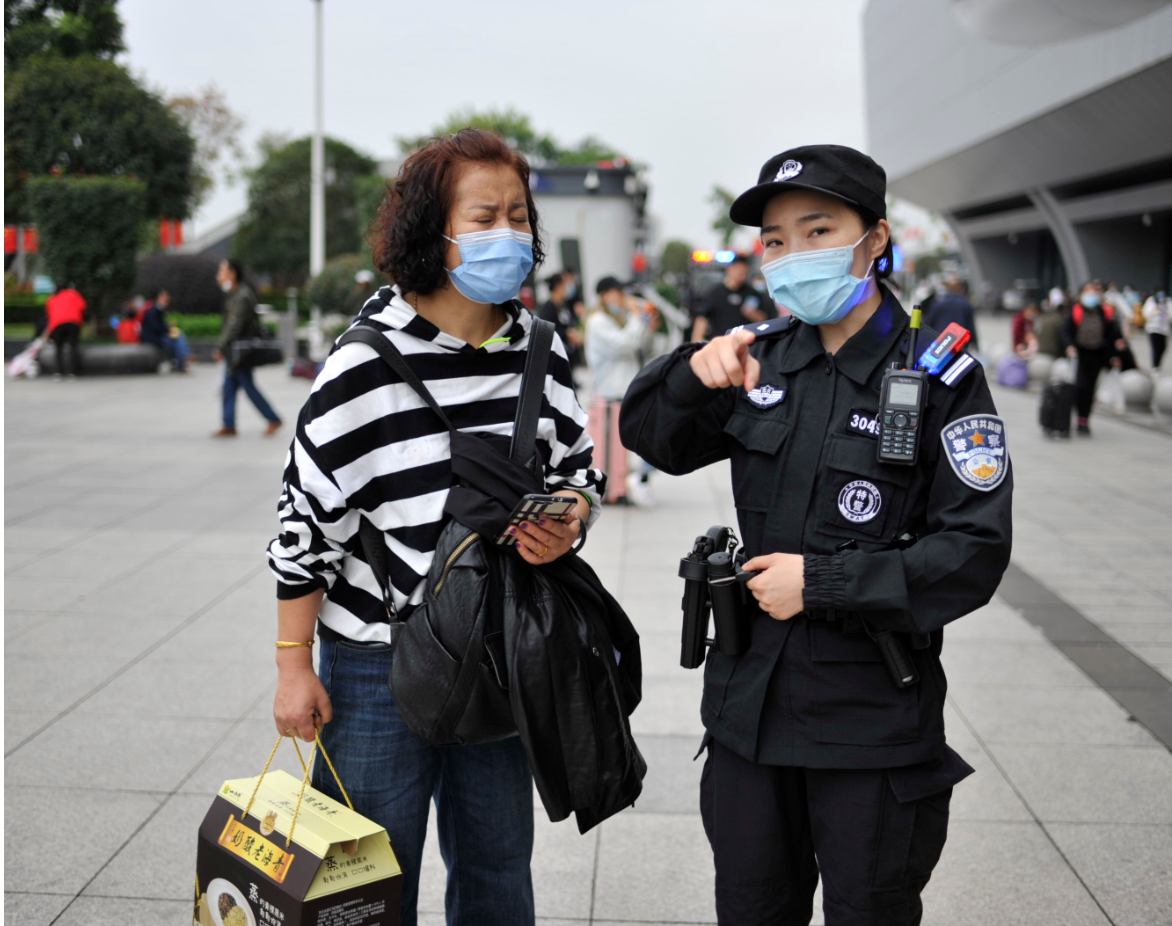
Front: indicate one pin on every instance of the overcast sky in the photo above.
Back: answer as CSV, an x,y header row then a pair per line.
x,y
701,92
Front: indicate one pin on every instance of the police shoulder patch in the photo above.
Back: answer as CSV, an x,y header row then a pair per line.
x,y
976,449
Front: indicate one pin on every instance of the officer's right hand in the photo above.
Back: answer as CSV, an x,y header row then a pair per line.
x,y
725,361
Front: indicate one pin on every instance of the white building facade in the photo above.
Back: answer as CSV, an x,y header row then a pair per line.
x,y
1040,129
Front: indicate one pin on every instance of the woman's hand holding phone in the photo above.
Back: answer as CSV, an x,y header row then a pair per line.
x,y
545,539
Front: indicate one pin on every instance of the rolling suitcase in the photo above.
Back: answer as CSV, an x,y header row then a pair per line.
x,y
610,455
1057,405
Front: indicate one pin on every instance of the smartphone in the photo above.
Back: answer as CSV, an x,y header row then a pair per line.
x,y
532,507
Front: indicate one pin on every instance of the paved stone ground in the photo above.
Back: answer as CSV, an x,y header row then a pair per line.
x,y
139,627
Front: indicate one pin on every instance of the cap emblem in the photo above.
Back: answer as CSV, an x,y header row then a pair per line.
x,y
789,170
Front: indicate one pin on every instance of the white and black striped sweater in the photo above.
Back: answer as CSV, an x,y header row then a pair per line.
x,y
366,445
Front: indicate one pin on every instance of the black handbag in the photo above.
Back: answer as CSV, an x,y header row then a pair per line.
x,y
449,677
255,352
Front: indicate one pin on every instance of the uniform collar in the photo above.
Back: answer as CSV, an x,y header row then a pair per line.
x,y
863,351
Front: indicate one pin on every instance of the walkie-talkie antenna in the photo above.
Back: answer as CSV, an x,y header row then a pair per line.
x,y
914,327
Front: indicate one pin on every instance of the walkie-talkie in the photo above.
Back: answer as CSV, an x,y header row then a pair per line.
x,y
901,402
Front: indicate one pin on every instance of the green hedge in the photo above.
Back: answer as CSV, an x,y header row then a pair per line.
x,y
197,326
24,309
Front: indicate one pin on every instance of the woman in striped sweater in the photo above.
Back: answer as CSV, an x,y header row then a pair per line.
x,y
458,232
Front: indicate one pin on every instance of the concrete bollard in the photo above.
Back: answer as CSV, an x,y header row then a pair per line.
x,y
1137,390
1164,395
1039,366
1061,371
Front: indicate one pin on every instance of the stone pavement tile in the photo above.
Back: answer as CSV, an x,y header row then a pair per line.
x,y
563,868
157,687
33,909
1131,634
36,593
669,707
993,622
26,536
661,655
83,751
139,595
1014,664
110,911
56,840
217,637
18,623
1108,614
985,794
70,634
19,724
1091,784
15,557
1120,598
1154,654
1048,715
654,868
216,543
99,558
52,683
672,783
242,755
1127,868
72,518
159,861
1006,874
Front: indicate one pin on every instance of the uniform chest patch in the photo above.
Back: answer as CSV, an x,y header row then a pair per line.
x,y
863,422
766,395
859,501
976,449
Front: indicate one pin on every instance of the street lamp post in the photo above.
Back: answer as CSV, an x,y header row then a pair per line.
x,y
317,193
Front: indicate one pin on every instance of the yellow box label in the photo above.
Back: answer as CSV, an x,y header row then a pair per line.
x,y
251,846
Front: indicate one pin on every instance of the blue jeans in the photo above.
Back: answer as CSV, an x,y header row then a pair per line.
x,y
235,380
483,794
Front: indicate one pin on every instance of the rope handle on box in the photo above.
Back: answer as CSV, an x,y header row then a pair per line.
x,y
307,768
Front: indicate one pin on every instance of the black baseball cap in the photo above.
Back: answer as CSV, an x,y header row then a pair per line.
x,y
834,169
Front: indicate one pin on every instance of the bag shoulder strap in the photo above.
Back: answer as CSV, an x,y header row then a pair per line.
x,y
397,362
374,544
524,445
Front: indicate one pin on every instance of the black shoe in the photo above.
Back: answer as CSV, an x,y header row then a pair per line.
x,y
1084,430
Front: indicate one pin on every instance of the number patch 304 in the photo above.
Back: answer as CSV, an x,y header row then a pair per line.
x,y
862,422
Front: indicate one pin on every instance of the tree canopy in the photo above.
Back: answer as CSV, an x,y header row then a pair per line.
x,y
87,115
215,128
722,199
89,231
515,128
66,28
274,236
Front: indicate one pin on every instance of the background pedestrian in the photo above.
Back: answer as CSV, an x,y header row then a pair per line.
x,y
1093,340
65,314
729,303
240,322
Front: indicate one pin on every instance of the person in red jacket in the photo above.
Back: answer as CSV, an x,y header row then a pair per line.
x,y
65,311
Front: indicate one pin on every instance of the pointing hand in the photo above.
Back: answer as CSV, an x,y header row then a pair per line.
x,y
725,361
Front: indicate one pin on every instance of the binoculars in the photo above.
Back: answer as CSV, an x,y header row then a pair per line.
x,y
714,584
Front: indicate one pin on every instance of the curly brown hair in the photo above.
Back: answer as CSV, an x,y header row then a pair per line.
x,y
407,239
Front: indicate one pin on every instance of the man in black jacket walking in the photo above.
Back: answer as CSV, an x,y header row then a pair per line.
x,y
240,322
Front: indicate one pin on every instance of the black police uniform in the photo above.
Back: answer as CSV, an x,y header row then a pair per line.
x,y
725,308
817,758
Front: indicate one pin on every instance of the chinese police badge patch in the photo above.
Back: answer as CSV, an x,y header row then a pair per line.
x,y
976,448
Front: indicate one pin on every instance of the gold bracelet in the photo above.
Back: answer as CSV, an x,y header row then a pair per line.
x,y
285,644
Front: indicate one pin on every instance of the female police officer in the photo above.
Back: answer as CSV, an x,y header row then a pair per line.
x,y
819,758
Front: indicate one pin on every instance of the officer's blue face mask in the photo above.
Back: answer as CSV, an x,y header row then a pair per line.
x,y
1090,300
816,286
493,264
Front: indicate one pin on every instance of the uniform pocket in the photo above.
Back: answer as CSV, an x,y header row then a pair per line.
x,y
754,457
855,701
862,498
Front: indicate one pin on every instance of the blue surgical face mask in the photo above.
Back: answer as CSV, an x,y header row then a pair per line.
x,y
493,264
816,286
1090,300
